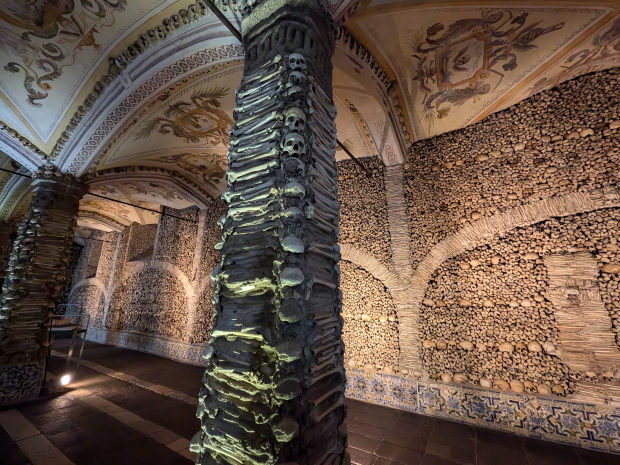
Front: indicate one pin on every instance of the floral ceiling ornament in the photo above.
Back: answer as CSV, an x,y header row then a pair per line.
x,y
195,121
455,67
54,31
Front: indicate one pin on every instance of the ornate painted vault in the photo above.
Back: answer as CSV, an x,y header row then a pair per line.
x,y
116,84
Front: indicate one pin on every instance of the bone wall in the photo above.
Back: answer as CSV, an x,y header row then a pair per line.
x,y
153,278
488,315
176,241
553,143
209,258
370,324
141,241
363,208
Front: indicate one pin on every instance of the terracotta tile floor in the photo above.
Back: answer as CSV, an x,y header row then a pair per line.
x,y
103,420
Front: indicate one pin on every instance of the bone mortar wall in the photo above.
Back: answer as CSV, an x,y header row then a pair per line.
x,y
363,208
176,240
553,143
91,298
495,296
499,293
106,259
370,327
141,242
152,301
203,322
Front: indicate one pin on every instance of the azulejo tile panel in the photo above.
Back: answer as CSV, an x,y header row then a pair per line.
x,y
157,345
585,425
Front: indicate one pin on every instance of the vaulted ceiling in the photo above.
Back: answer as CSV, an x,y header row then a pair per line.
x,y
126,89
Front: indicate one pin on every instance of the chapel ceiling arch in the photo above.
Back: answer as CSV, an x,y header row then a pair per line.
x,y
184,128
456,63
368,126
61,57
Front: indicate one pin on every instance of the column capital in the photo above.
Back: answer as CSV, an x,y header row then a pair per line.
x,y
277,27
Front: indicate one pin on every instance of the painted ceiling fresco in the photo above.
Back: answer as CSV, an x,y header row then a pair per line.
x,y
50,47
600,51
454,63
141,193
444,67
186,131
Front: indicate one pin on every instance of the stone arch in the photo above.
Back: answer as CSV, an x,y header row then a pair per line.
x,y
160,309
369,263
482,231
98,299
132,268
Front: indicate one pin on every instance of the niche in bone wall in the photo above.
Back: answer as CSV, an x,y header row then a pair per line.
x,y
370,329
363,218
556,142
176,241
93,259
204,318
141,242
74,258
536,309
106,257
90,301
151,301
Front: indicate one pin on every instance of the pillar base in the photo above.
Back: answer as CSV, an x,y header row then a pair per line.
x,y
21,382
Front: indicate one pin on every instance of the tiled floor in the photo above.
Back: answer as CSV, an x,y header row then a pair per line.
x,y
127,407
384,436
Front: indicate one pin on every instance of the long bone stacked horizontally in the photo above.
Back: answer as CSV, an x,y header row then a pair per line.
x,y
273,390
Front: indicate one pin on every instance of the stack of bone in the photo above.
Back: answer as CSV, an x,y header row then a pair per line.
x,y
203,321
559,141
363,208
486,315
37,266
177,238
370,324
484,320
273,389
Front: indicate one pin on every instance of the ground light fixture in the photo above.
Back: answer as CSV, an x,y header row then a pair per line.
x,y
66,379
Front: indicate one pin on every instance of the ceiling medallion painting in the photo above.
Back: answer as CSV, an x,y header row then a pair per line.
x,y
464,57
51,20
49,46
454,63
197,119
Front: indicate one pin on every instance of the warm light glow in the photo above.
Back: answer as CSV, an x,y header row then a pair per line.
x,y
66,379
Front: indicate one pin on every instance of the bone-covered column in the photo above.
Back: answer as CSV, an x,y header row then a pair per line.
x,y
34,278
273,390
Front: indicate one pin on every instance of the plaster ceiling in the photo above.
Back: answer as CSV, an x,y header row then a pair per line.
x,y
403,71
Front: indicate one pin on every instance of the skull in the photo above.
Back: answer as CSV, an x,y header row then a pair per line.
x,y
294,145
575,376
295,119
521,348
293,167
296,78
529,386
296,62
591,377
608,376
